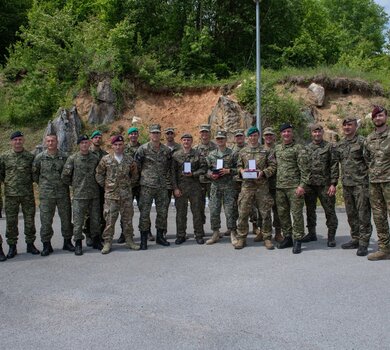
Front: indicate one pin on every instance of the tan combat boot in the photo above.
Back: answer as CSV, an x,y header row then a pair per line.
x,y
214,238
239,244
130,243
233,237
106,247
278,235
379,255
268,244
259,236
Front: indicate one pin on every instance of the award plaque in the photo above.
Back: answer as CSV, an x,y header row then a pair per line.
x,y
187,168
251,173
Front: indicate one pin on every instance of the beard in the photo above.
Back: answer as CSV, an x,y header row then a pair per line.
x,y
379,124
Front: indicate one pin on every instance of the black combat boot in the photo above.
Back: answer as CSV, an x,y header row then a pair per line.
x,y
2,255
180,240
331,240
32,249
121,239
97,243
297,247
310,237
160,239
362,251
12,251
144,240
350,245
286,243
47,249
68,245
78,249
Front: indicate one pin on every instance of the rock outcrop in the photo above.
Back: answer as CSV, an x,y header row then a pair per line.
x,y
103,110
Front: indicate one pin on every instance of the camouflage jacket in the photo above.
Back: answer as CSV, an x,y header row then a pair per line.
x,y
350,155
272,179
176,146
377,156
154,165
265,161
116,178
324,167
237,148
132,149
229,162
47,170
198,167
293,166
100,153
16,173
204,151
79,172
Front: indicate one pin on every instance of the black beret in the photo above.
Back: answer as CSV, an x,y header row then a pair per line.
x,y
82,138
285,126
16,134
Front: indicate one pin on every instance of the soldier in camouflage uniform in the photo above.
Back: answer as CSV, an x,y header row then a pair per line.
x,y
47,169
79,172
223,188
324,174
377,155
204,148
291,179
186,187
115,173
154,163
16,173
255,191
354,177
96,148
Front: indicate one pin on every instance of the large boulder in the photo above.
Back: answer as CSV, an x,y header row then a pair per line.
x,y
67,126
104,92
228,115
103,111
316,94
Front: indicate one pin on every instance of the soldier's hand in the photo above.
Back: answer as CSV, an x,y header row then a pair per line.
x,y
187,174
133,167
331,191
177,193
224,171
300,191
260,174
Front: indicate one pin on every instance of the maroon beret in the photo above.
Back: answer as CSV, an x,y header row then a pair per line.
x,y
116,138
377,110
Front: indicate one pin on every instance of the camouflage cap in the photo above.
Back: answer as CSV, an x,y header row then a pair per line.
x,y
155,128
239,132
316,126
186,136
205,127
268,131
349,119
169,129
221,134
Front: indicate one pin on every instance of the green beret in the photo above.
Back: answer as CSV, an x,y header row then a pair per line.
x,y
132,129
252,130
96,133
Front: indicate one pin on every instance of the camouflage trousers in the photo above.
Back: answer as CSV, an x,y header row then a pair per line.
x,y
276,221
87,224
206,187
47,208
313,193
12,205
82,208
357,206
380,204
148,194
289,204
225,196
261,198
112,209
194,196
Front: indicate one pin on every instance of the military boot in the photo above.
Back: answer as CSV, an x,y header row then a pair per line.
x,y
130,243
12,251
259,236
47,249
297,247
32,249
160,239
286,243
121,239
240,244
331,240
352,244
233,237
214,238
144,240
97,243
227,233
379,255
254,228
2,255
150,237
278,235
106,247
362,250
310,237
78,249
68,245
268,244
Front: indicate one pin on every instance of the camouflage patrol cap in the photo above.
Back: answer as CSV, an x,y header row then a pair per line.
x,y
155,128
315,126
268,131
239,132
221,134
82,138
186,136
349,119
170,129
16,134
205,127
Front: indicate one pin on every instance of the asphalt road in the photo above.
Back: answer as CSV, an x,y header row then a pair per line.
x,y
196,297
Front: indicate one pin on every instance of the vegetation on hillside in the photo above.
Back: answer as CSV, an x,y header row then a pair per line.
x,y
66,45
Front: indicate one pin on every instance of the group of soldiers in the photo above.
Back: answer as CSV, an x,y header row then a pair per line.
x,y
265,183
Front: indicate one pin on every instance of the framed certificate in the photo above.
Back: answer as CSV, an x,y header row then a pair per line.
x,y
249,175
219,164
187,167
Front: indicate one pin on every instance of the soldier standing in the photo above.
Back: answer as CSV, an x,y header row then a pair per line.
x,y
324,174
377,154
255,159
187,165
47,169
354,177
291,179
154,162
222,167
115,172
79,172
16,173
204,148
